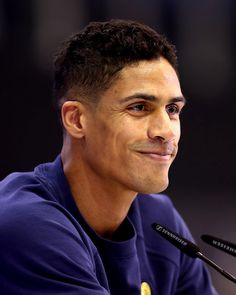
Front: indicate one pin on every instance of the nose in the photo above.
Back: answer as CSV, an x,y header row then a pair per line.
x,y
161,127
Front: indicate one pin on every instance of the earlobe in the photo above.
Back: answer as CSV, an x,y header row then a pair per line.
x,y
72,118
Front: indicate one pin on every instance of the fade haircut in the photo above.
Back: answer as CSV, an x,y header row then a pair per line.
x,y
89,61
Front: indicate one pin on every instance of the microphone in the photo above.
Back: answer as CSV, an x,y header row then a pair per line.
x,y
189,248
221,244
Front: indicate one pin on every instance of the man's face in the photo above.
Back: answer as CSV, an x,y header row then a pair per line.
x,y
132,136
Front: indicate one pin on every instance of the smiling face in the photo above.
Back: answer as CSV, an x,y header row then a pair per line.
x,y
131,137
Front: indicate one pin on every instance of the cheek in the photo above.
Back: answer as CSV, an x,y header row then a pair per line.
x,y
106,139
118,141
110,138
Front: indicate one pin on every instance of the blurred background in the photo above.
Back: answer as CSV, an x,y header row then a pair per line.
x,y
202,184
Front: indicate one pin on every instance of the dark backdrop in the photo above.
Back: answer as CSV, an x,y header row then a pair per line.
x,y
203,177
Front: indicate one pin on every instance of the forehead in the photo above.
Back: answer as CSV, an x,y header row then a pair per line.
x,y
155,77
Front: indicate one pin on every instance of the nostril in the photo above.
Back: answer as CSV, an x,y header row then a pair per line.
x,y
162,135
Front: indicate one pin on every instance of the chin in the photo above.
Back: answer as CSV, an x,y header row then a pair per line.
x,y
155,187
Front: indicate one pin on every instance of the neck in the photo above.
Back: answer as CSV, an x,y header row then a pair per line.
x,y
103,203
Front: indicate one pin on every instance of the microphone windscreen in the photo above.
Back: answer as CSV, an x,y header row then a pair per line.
x,y
189,248
181,243
220,244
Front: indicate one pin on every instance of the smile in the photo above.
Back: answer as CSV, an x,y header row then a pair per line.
x,y
163,157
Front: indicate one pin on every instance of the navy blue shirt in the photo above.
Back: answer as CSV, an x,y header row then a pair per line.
x,y
48,248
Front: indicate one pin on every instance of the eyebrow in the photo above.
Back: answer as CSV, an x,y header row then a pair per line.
x,y
153,98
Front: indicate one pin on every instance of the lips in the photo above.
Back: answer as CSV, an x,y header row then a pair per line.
x,y
165,152
159,155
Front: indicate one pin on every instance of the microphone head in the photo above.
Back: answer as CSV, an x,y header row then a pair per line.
x,y
220,244
181,243
189,248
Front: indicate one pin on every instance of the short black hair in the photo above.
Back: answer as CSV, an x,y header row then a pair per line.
x,y
90,60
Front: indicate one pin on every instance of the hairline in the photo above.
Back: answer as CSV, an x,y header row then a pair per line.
x,y
86,98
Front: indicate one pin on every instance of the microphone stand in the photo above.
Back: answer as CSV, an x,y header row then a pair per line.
x,y
216,267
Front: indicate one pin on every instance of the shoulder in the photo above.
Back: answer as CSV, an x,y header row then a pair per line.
x,y
17,185
31,219
42,226
41,240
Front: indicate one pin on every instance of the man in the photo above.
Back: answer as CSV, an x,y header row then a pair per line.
x,y
82,224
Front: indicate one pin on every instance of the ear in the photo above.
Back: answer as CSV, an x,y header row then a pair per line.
x,y
72,114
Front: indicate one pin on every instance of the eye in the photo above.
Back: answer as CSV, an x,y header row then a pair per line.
x,y
137,107
173,109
